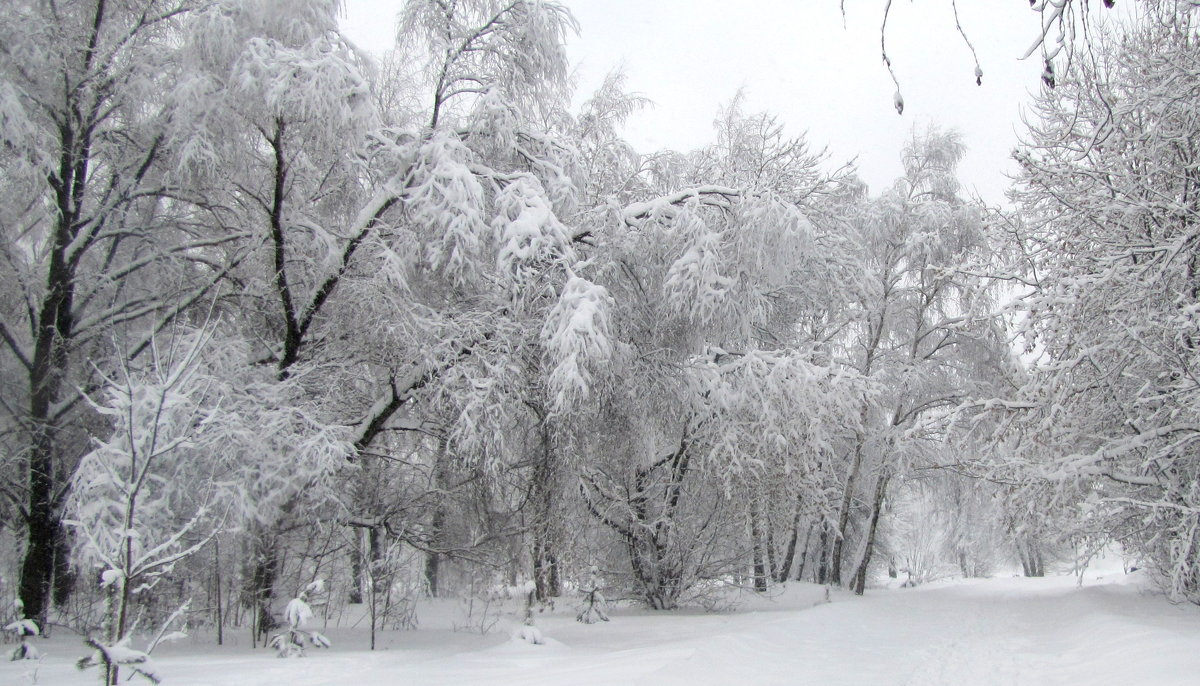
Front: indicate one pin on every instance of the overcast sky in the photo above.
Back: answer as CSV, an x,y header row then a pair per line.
x,y
822,77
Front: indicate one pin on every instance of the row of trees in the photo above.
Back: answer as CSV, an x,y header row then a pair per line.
x,y
274,311
1101,431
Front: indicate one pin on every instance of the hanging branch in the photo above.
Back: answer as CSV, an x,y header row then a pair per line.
x,y
897,98
961,32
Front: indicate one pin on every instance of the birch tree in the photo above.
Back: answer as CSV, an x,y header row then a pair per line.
x,y
923,335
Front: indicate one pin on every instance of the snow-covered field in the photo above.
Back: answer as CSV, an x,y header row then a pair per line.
x,y
994,631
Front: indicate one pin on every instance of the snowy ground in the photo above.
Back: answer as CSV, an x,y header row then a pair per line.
x,y
994,631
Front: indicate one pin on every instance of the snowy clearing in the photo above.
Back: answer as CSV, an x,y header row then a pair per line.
x,y
994,631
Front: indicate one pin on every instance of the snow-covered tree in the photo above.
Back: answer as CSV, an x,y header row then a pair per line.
x,y
100,239
594,606
189,428
1108,198
1096,439
715,379
923,338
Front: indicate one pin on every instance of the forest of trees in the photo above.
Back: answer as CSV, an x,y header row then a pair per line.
x,y
273,311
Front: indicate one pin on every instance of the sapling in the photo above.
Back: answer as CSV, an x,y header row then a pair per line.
x,y
144,498
593,600
299,616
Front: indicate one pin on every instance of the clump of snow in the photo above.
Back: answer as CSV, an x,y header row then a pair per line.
x,y
530,634
526,229
23,627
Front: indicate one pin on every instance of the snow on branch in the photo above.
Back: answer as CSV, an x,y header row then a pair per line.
x,y
526,230
577,338
119,655
668,205
445,198
771,405
696,281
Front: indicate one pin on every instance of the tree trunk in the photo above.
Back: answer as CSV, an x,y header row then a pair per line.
x,y
769,545
437,523
545,570
756,541
823,555
544,492
377,579
545,525
432,570
839,542
45,380
860,575
262,586
789,554
802,563
357,582
220,613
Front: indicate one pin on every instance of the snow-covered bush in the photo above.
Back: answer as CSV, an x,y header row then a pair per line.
x,y
299,616
23,629
528,631
112,657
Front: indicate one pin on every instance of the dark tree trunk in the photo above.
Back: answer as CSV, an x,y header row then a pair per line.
x,y
219,607
46,379
437,524
375,550
545,490
545,572
432,570
64,576
802,563
824,554
860,575
262,586
54,330
769,545
355,596
648,532
789,554
1031,558
839,541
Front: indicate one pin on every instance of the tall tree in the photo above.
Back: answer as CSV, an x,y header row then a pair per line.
x,y
922,332
100,239
1106,420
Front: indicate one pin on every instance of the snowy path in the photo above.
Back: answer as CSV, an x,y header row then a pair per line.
x,y
992,632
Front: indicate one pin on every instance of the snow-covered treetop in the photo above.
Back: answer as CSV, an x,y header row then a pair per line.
x,y
515,46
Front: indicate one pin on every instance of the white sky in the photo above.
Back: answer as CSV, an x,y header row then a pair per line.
x,y
796,60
